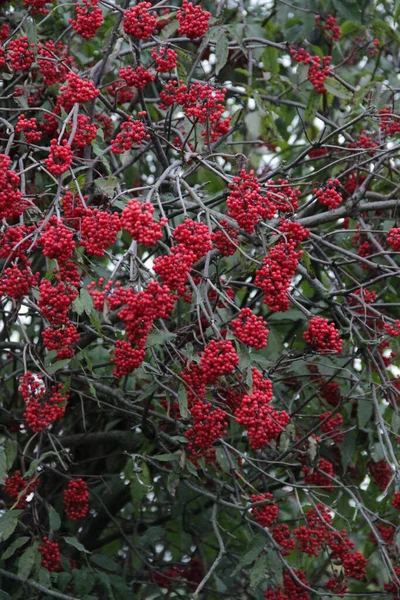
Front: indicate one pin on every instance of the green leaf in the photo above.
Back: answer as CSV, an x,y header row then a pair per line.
x,y
275,566
51,369
104,562
221,52
36,462
54,519
95,322
26,562
257,573
8,523
183,402
106,186
222,459
63,580
166,457
72,541
254,549
11,452
18,543
313,104
337,89
3,466
77,306
173,481
158,338
364,412
86,300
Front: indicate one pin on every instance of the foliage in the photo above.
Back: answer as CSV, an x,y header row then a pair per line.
x,y
199,259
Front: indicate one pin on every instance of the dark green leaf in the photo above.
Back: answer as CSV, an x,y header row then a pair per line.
x,y
18,543
26,562
54,519
72,541
221,52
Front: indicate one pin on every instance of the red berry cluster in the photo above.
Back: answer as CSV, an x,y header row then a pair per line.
x,y
12,204
394,238
57,240
120,92
381,473
323,336
53,71
328,195
282,535
15,486
393,586
262,422
319,69
209,424
51,559
62,340
137,219
85,132
393,330
76,499
166,59
354,565
29,128
337,585
139,22
60,157
330,27
291,589
76,90
193,20
174,269
396,500
315,477
55,301
99,230
126,358
332,426
265,514
202,102
310,537
42,408
225,238
137,78
389,121
132,132
218,359
89,18
245,200
38,6
275,276
16,281
21,55
194,236
250,329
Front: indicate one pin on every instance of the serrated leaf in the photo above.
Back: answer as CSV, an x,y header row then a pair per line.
x,y
54,519
77,306
26,562
158,338
8,523
86,300
104,562
254,549
221,52
313,104
95,321
18,543
51,369
183,402
337,89
364,412
72,541
257,573
11,453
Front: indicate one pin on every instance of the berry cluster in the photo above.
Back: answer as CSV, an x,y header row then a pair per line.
x,y
193,20
225,238
16,281
262,422
265,514
139,22
137,219
194,236
57,240
76,499
319,69
99,230
62,340
60,157
332,425
132,132
38,6
396,500
328,195
76,90
209,424
85,132
29,128
51,558
166,59
53,71
89,18
137,78
330,27
218,359
12,204
282,535
126,358
291,589
381,473
21,54
18,488
42,408
250,329
321,475
393,238
323,336
389,121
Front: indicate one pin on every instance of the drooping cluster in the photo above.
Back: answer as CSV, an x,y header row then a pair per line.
x,y
328,195
76,499
218,359
18,488
330,27
225,238
89,18
21,54
137,78
166,59
12,203
389,121
323,336
393,238
60,157
262,422
291,588
265,514
139,22
51,558
137,219
319,69
42,407
193,20
250,329
133,132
